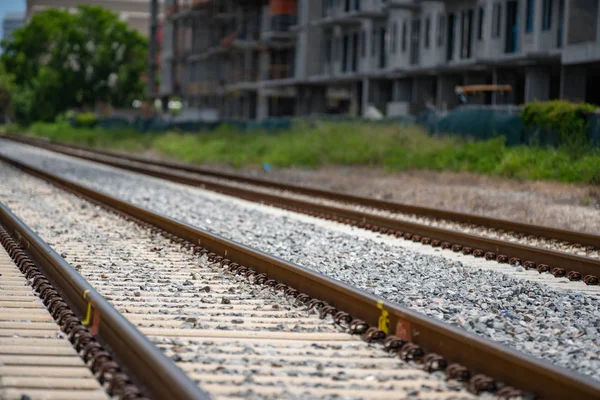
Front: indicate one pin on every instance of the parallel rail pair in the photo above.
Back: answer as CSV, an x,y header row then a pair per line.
x,y
560,264
161,379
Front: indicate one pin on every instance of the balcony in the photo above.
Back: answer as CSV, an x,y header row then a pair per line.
x,y
278,28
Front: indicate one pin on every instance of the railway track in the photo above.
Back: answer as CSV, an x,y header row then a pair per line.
x,y
559,252
37,359
224,328
433,344
235,338
89,351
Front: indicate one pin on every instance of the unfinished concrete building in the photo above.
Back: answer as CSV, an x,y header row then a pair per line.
x,y
216,55
256,59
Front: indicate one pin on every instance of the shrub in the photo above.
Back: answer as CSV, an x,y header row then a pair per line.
x,y
86,120
319,144
567,119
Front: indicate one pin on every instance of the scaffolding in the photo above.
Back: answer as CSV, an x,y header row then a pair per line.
x,y
222,50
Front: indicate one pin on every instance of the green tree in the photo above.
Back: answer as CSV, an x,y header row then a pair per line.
x,y
7,90
63,60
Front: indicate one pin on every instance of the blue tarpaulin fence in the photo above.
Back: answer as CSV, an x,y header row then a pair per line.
x,y
477,123
482,123
158,124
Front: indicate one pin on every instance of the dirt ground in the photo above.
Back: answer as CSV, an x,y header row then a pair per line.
x,y
566,206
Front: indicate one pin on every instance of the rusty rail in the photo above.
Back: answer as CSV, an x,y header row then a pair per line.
x,y
500,224
142,361
466,354
560,264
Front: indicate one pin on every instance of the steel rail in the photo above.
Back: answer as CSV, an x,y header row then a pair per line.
x,y
475,353
559,263
586,239
147,366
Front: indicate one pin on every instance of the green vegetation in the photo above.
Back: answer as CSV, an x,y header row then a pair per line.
x,y
392,147
86,120
561,116
7,88
62,60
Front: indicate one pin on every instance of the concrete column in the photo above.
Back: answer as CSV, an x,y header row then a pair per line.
x,y
537,22
367,26
336,45
262,106
355,101
365,95
300,58
414,95
457,35
264,60
488,27
562,24
573,80
247,65
537,84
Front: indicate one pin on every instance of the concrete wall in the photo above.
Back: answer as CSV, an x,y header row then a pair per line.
x,y
433,54
548,39
577,48
309,42
400,58
364,62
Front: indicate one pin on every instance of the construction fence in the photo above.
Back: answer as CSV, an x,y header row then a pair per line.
x,y
476,123
157,124
484,123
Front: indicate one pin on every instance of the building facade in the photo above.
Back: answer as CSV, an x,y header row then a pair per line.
x,y
261,59
12,22
135,12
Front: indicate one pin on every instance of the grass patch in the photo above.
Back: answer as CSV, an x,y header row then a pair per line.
x,y
393,147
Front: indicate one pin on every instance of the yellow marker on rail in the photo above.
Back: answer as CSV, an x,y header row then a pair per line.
x,y
88,313
384,318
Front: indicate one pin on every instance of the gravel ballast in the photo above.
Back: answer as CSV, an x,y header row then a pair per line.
x,y
555,204
484,231
541,242
235,338
561,327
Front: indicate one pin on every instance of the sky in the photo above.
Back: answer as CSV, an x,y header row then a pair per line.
x,y
10,6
